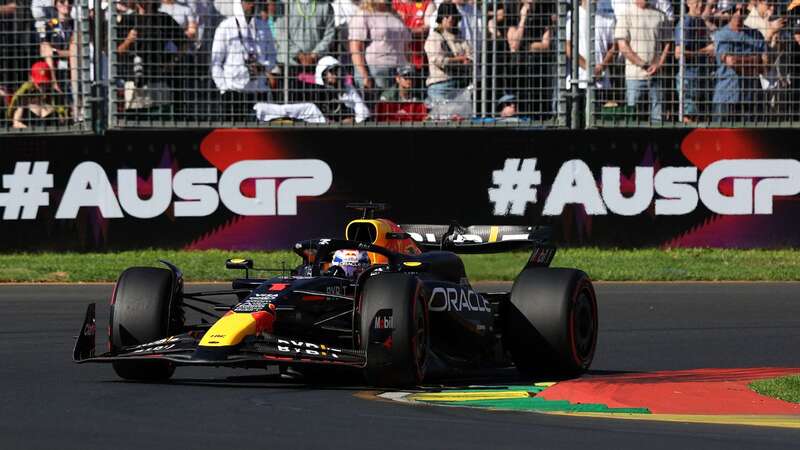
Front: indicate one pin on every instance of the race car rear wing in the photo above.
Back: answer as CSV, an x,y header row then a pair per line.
x,y
478,238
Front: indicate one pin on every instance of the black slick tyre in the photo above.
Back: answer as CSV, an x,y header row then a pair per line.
x,y
394,330
142,311
552,322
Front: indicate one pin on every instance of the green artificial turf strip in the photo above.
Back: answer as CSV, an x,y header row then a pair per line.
x,y
782,388
600,264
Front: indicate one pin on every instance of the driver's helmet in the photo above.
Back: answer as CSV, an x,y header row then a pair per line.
x,y
352,261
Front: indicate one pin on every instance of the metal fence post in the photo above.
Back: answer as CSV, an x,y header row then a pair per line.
x,y
574,91
682,61
590,84
484,35
98,89
111,91
286,12
474,45
494,61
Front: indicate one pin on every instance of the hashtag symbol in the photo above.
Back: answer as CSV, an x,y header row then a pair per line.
x,y
26,190
513,191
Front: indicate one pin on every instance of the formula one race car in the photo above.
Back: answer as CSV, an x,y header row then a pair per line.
x,y
389,301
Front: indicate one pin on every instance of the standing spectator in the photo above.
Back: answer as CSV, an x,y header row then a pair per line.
x,y
759,19
268,11
242,53
413,14
775,81
309,35
379,41
643,37
185,98
16,46
693,43
531,41
470,26
343,10
605,49
149,48
503,76
449,56
183,15
56,44
741,54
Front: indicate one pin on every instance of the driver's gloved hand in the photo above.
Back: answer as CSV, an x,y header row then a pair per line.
x,y
336,271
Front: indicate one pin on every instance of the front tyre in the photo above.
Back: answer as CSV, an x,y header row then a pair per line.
x,y
142,311
552,322
394,330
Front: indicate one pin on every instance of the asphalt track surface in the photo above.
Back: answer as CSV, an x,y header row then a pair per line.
x,y
47,402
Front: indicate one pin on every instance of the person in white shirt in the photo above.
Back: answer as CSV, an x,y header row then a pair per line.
x,y
242,55
604,47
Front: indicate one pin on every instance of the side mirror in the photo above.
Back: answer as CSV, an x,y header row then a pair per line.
x,y
239,263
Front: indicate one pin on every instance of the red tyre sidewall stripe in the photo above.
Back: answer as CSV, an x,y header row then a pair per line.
x,y
572,319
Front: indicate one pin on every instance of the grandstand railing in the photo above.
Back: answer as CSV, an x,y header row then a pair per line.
x,y
204,63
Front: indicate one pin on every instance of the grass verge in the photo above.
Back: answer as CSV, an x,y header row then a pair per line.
x,y
600,264
782,388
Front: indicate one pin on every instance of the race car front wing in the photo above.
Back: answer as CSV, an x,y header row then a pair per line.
x,y
184,350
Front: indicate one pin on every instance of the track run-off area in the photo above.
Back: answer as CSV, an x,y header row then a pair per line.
x,y
48,402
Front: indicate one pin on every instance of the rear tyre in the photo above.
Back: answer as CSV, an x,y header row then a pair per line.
x,y
394,330
552,322
142,311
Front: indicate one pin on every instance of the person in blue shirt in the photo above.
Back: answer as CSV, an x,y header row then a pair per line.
x,y
741,55
693,43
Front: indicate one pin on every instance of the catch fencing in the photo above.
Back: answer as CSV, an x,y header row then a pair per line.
x,y
397,63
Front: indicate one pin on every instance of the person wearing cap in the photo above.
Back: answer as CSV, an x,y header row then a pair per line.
x,y
507,108
741,55
644,36
403,90
337,100
449,56
33,103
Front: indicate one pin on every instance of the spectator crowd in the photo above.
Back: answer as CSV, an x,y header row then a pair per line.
x,y
354,61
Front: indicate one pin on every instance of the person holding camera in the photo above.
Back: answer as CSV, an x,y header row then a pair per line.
x,y
242,57
150,46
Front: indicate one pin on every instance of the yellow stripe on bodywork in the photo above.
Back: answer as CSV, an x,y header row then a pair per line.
x,y
750,420
468,396
229,330
493,231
